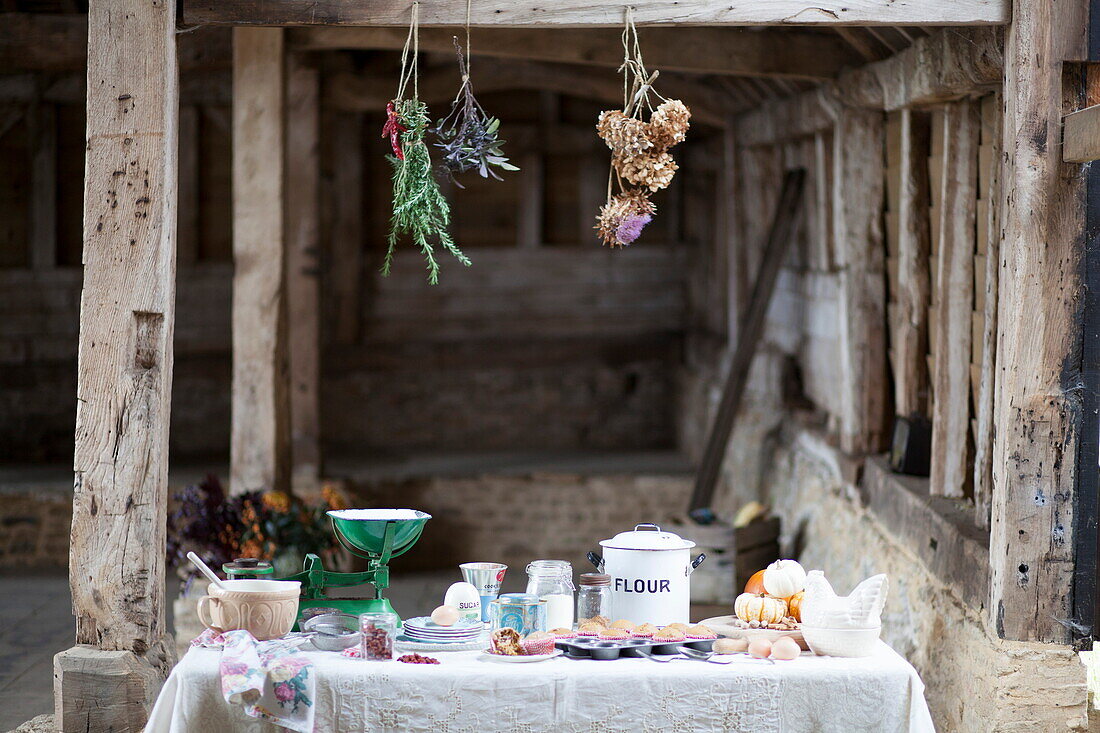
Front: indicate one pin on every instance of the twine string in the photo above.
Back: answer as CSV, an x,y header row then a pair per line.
x,y
409,68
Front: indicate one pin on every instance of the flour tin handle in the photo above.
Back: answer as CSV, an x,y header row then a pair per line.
x,y
652,526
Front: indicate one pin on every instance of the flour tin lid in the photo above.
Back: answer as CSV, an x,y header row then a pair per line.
x,y
651,538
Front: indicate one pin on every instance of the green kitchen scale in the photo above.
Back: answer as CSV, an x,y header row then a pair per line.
x,y
376,535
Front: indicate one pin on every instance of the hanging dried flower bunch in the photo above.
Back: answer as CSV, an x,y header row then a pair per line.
x,y
640,160
468,136
419,208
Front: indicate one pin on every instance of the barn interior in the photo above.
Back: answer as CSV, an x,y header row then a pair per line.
x,y
558,391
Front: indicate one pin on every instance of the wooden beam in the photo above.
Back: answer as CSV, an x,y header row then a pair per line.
x,y
983,442
259,450
947,65
347,226
42,117
303,269
785,217
1081,136
59,42
1037,405
858,194
914,279
452,13
352,91
529,220
795,54
954,301
124,373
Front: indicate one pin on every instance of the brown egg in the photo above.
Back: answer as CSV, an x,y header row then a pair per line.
x,y
445,615
760,648
730,646
785,648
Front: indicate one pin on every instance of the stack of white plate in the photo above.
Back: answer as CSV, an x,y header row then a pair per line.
x,y
424,629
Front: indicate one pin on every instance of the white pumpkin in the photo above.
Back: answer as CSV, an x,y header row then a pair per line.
x,y
760,608
784,578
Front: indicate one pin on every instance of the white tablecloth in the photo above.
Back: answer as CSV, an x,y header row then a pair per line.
x,y
470,692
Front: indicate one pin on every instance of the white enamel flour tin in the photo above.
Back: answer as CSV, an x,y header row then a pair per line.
x,y
650,572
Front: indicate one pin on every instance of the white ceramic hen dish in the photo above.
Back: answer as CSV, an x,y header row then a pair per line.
x,y
822,608
841,642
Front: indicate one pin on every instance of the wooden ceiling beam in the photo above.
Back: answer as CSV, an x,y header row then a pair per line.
x,y
792,53
510,13
353,91
59,42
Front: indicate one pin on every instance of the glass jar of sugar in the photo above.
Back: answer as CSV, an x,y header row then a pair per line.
x,y
552,581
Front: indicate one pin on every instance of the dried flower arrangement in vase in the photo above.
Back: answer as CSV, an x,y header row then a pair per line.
x,y
419,207
640,161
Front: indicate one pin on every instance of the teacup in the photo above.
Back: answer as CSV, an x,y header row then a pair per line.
x,y
265,608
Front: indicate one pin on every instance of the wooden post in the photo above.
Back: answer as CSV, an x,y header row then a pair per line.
x,y
858,194
726,230
303,173
529,219
983,442
1037,407
187,250
914,279
592,192
347,225
955,298
124,373
42,120
259,450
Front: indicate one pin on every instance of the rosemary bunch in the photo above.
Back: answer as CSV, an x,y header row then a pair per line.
x,y
419,208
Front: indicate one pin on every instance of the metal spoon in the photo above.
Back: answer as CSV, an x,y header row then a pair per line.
x,y
205,570
649,655
706,656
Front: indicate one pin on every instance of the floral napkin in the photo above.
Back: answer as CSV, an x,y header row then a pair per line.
x,y
271,680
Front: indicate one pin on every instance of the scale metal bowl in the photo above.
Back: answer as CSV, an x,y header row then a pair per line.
x,y
376,535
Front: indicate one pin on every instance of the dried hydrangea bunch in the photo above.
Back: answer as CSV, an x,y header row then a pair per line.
x,y
640,149
623,217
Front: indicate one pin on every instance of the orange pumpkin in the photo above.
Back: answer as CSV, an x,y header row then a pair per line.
x,y
794,605
756,583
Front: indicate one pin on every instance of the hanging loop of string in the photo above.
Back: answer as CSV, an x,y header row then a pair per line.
x,y
637,81
409,68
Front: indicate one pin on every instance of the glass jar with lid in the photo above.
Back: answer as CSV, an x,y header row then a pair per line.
x,y
594,597
244,568
378,631
552,581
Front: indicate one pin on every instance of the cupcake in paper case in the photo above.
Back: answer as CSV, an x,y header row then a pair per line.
x,y
538,642
614,635
669,634
624,624
700,632
678,626
563,633
590,628
505,642
644,631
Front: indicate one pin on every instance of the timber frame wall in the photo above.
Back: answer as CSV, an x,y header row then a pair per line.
x,y
1025,472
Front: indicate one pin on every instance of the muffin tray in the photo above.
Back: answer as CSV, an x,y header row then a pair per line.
x,y
581,648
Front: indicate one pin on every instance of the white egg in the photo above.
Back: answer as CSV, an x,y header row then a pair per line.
x,y
445,615
785,648
760,648
465,598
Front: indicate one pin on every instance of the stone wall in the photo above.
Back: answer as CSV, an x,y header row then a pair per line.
x,y
974,680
